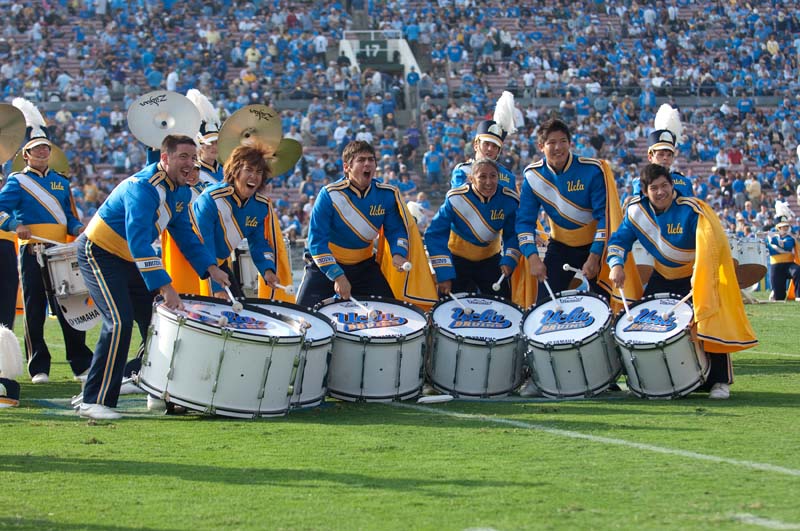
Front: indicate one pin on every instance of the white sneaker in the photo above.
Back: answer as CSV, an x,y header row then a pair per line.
x,y
156,404
529,389
720,391
82,376
98,412
129,388
40,378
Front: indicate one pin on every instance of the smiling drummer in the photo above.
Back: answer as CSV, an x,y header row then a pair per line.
x,y
691,255
347,218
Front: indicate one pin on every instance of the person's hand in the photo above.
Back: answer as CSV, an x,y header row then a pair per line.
x,y
398,261
342,287
445,287
23,232
506,270
617,276
219,276
592,266
537,267
171,298
271,278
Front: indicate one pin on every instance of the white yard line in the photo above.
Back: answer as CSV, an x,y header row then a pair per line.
x,y
753,465
766,523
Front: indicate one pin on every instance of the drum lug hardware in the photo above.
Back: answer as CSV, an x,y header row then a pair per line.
x,y
491,343
62,290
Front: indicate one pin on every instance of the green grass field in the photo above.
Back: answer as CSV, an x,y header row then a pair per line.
x,y
615,462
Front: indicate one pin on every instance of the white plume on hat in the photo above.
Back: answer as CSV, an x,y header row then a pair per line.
x,y
798,152
34,120
782,210
208,113
504,113
11,364
670,119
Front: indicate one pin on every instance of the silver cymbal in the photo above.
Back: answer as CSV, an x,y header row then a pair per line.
x,y
286,156
12,131
160,113
258,123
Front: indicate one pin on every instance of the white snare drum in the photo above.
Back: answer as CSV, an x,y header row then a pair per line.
x,y
64,271
644,261
476,354
376,360
660,357
244,369
245,269
309,388
570,349
750,257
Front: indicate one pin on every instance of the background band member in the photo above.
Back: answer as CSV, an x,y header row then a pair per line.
x,y
663,148
783,261
472,238
230,211
123,271
37,202
691,254
9,276
345,221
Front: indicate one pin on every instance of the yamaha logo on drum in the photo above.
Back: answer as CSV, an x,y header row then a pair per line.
x,y
351,321
558,321
484,319
651,321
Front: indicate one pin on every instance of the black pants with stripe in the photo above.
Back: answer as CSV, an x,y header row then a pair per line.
x,y
779,274
35,299
556,256
121,296
478,276
365,279
9,283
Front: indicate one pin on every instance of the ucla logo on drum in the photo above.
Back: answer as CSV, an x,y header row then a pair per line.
x,y
485,319
557,321
235,320
650,320
351,321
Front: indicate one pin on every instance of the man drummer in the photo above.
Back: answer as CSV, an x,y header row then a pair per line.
x,y
687,242
783,261
347,217
37,201
471,239
228,212
123,271
663,149
488,143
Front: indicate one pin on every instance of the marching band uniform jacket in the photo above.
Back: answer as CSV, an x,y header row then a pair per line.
x,y
505,178
134,215
210,174
781,249
469,225
224,221
345,223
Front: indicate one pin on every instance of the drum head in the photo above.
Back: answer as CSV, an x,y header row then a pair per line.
x,y
321,327
649,325
247,321
79,311
580,317
491,318
394,318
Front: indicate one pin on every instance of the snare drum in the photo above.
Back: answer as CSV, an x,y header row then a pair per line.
x,y
661,358
309,386
243,369
245,269
750,258
376,359
570,349
64,271
644,261
475,354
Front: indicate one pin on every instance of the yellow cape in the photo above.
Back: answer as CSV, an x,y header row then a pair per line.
x,y
722,324
184,278
416,286
273,235
791,293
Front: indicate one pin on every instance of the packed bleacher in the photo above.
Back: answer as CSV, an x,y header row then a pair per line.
x,y
605,67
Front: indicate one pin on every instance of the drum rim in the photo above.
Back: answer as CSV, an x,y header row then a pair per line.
x,y
436,327
349,336
241,334
640,346
564,346
255,301
64,249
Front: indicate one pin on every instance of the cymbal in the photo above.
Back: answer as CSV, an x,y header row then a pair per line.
x,y
286,156
12,131
58,161
160,113
257,122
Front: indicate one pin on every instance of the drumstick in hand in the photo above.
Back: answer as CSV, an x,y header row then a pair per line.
x,y
497,285
552,295
406,266
575,270
625,304
467,311
236,306
45,240
671,312
287,289
372,314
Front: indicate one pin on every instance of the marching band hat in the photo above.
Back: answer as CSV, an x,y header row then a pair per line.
x,y
662,139
491,131
783,223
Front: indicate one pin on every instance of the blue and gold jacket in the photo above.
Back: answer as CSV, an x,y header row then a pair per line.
x,y
133,216
781,249
669,236
210,173
574,201
682,184
471,226
42,202
346,222
505,177
224,220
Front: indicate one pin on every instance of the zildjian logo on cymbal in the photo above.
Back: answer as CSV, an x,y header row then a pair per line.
x,y
262,115
155,100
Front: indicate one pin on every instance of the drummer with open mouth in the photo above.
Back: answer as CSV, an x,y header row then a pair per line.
x,y
228,212
347,218
472,239
691,254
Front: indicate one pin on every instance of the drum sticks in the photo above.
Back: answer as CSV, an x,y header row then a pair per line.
x,y
625,304
552,295
236,306
575,270
497,285
287,289
668,314
467,310
45,240
372,314
406,266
